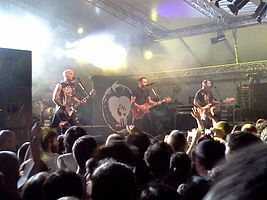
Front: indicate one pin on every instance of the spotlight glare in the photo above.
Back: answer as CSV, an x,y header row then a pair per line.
x,y
80,30
100,51
148,55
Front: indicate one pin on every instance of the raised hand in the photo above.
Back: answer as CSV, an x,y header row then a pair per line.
x,y
196,113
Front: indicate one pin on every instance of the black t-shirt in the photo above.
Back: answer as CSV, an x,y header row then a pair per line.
x,y
67,93
204,97
141,95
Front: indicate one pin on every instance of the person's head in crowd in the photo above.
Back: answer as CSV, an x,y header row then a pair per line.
x,y
157,158
250,128
33,188
8,140
49,140
177,140
243,177
82,150
207,154
114,137
71,135
238,140
196,189
180,165
113,180
120,152
140,140
22,151
263,135
9,167
260,125
159,192
63,183
221,129
236,127
90,165
61,147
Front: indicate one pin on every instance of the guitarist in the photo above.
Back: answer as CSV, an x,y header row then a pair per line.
x,y
64,98
141,97
205,101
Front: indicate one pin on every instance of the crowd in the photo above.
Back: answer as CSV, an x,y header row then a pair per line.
x,y
224,162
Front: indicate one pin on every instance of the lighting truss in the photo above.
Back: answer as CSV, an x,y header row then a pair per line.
x,y
230,69
209,10
221,19
131,15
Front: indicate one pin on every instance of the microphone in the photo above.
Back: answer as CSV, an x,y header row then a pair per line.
x,y
76,78
152,83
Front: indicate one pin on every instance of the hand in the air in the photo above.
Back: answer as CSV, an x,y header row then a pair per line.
x,y
195,113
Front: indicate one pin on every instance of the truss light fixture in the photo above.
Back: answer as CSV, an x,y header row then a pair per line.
x,y
217,3
219,38
237,5
260,12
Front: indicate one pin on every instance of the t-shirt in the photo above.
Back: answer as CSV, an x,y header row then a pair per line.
x,y
204,97
67,93
141,95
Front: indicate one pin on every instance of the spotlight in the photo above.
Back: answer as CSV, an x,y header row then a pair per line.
x,y
238,4
219,38
260,11
216,3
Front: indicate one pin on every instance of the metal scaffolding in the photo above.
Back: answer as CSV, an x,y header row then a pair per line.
x,y
131,15
258,68
221,20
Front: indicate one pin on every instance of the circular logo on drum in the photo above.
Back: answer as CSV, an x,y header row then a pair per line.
x,y
116,107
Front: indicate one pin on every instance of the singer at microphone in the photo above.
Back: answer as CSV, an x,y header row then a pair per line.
x,y
66,99
145,119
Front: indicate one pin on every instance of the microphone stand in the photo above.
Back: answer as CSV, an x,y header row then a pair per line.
x,y
82,87
156,94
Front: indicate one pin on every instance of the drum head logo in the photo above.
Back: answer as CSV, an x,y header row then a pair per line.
x,y
116,107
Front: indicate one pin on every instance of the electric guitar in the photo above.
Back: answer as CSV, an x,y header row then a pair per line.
x,y
213,107
64,114
139,111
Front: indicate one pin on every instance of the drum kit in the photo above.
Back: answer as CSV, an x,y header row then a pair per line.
x,y
42,112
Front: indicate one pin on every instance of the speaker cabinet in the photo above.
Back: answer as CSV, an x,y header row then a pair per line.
x,y
260,100
15,92
184,121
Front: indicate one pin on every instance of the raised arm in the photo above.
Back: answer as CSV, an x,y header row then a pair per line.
x,y
200,129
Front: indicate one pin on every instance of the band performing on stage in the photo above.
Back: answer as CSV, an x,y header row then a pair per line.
x,y
148,111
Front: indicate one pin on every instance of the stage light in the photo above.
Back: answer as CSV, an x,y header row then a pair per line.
x,y
219,38
237,5
148,55
100,50
216,3
260,12
80,30
154,15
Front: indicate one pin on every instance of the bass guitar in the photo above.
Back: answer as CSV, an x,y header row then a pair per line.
x,y
64,114
139,111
